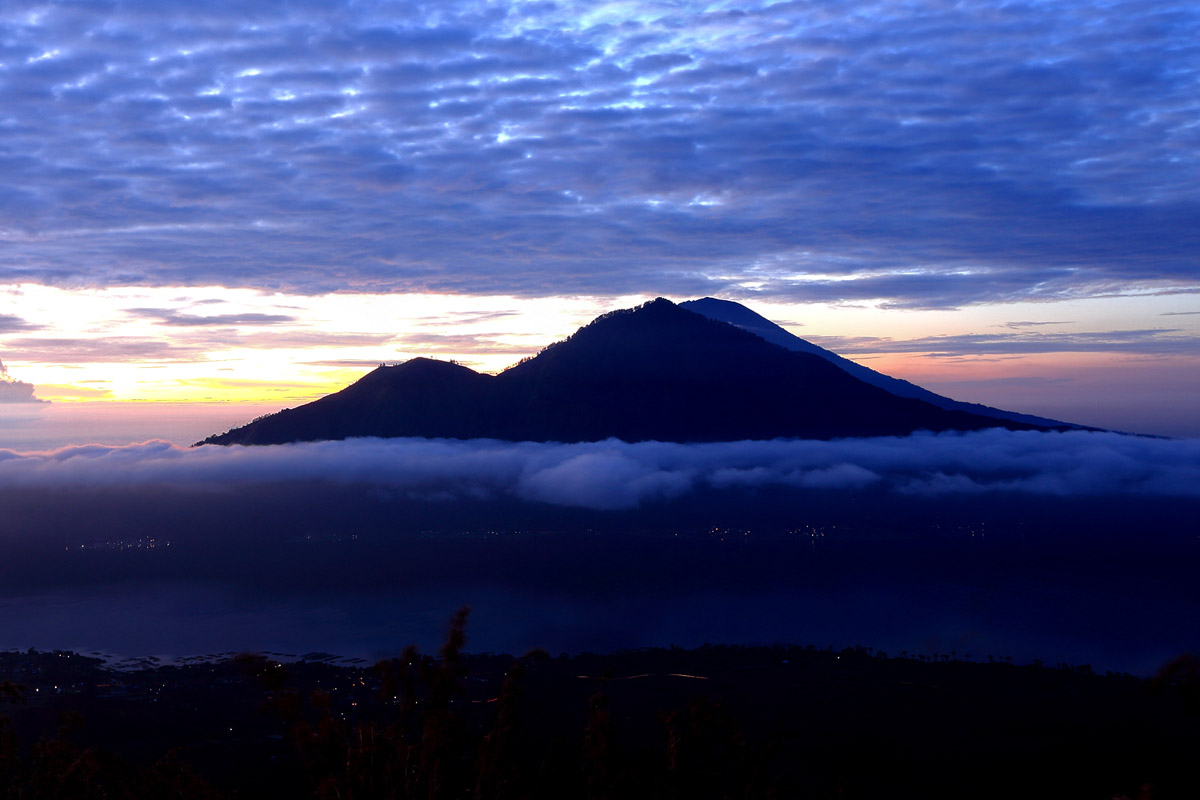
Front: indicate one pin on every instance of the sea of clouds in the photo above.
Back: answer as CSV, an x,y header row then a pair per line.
x,y
618,475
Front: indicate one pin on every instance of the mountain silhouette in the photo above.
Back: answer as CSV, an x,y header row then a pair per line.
x,y
655,372
744,318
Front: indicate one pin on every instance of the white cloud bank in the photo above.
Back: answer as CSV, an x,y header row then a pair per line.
x,y
615,475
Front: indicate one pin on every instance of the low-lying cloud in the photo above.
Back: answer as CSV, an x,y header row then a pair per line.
x,y
619,475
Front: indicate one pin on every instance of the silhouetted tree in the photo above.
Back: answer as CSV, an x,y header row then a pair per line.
x,y
706,753
598,756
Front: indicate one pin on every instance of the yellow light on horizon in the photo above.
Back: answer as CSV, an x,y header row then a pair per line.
x,y
214,344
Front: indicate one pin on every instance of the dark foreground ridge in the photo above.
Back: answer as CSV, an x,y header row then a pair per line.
x,y
656,372
713,722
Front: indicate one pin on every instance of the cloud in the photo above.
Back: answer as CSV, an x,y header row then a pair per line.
x,y
302,339
353,363
12,391
473,317
932,154
1154,341
477,343
78,392
618,475
70,350
604,478
10,323
1017,325
169,317
15,391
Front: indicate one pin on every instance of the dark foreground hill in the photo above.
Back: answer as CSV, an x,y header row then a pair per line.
x,y
656,372
713,722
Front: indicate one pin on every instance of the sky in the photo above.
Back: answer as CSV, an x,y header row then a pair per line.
x,y
233,207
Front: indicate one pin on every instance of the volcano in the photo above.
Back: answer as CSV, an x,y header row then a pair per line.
x,y
656,372
746,319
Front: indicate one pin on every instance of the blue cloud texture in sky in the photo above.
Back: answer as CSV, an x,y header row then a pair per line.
x,y
939,154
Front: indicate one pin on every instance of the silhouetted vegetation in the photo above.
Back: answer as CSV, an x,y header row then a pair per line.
x,y
57,767
713,722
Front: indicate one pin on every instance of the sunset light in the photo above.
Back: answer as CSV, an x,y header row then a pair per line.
x,y
427,398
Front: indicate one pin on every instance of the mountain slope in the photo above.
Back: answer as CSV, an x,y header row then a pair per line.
x,y
657,372
421,397
742,317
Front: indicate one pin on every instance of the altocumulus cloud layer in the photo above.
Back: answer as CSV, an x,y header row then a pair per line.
x,y
615,475
937,153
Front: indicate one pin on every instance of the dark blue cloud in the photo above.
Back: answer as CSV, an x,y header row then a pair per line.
x,y
940,155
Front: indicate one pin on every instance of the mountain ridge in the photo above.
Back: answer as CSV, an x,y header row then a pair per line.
x,y
741,317
655,372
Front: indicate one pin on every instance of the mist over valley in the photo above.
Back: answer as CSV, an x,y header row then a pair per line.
x,y
644,483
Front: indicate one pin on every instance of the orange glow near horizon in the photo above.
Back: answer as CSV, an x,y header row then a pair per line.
x,y
216,345
219,346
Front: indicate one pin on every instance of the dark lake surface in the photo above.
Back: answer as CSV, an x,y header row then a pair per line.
x,y
1109,610
296,570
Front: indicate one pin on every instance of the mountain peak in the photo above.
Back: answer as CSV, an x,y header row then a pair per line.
x,y
658,308
738,315
655,372
728,307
